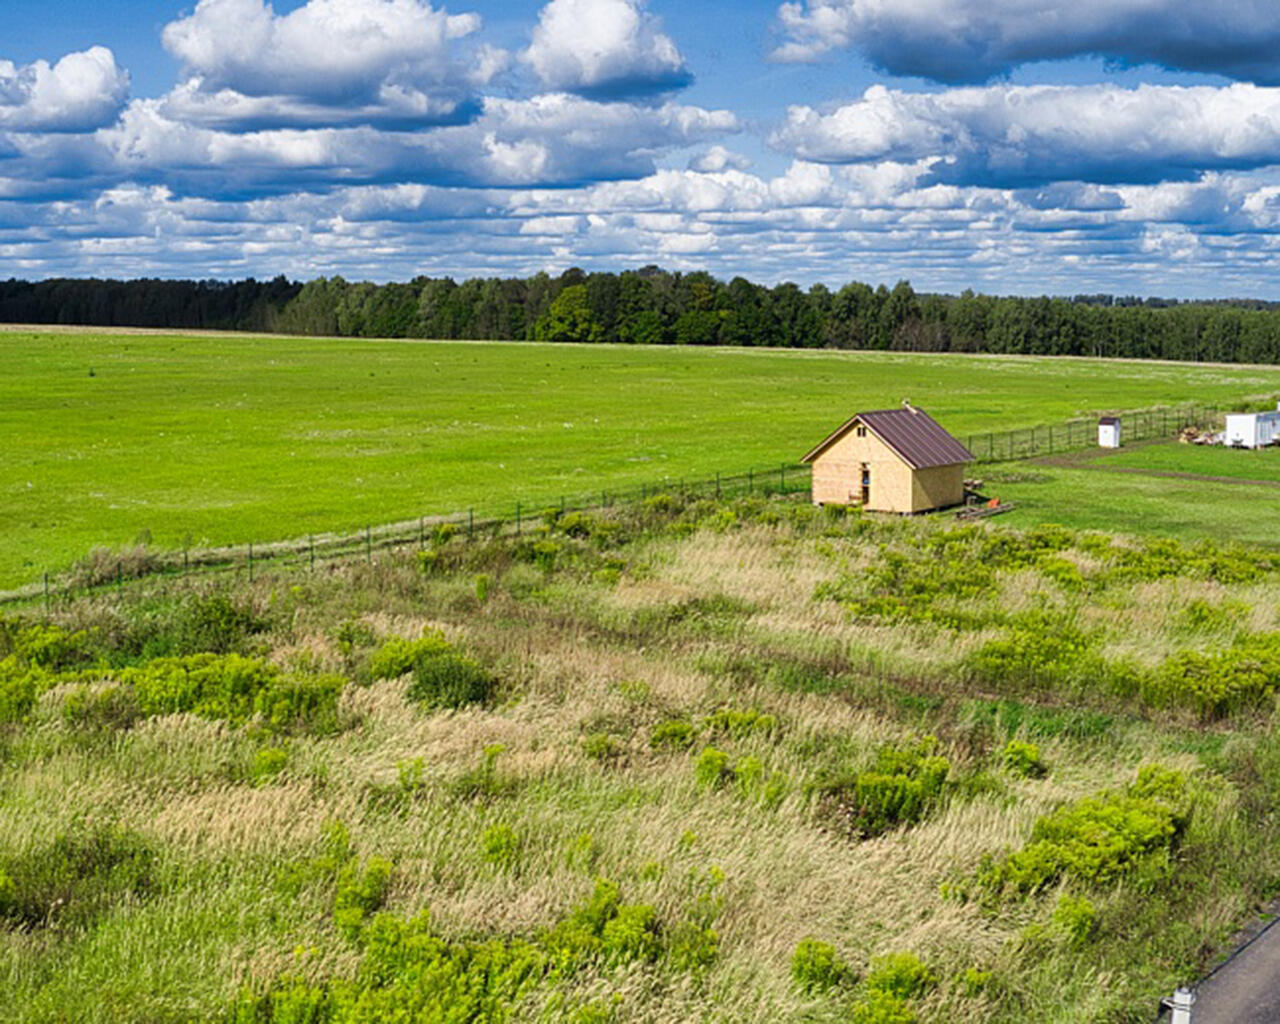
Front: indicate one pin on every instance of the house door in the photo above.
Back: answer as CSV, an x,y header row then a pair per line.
x,y
866,483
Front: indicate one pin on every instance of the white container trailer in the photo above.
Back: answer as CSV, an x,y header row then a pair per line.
x,y
1252,429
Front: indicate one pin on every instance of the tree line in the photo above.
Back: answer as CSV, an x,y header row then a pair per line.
x,y
658,307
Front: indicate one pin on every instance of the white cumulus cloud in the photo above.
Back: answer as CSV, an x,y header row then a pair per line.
x,y
329,62
604,49
973,40
1023,136
81,92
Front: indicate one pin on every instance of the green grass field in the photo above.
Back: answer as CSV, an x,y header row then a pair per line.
x,y
1238,464
1165,489
226,439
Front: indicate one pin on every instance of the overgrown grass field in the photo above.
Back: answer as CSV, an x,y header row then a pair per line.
x,y
228,439
686,760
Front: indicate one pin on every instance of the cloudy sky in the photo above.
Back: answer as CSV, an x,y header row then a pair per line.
x,y
1013,146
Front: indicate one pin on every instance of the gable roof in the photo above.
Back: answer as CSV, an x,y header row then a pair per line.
x,y
912,433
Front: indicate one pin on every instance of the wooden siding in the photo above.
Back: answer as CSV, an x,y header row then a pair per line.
x,y
895,486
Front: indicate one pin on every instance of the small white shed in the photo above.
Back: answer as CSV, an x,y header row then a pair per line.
x,y
1252,429
1109,432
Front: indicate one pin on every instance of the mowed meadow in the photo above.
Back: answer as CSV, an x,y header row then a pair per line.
x,y
208,440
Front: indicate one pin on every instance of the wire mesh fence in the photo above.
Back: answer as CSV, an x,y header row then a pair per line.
x,y
103,570
1078,434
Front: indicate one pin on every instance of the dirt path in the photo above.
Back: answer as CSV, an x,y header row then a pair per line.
x,y
1175,475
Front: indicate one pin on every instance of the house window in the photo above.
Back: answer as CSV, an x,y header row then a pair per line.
x,y
862,431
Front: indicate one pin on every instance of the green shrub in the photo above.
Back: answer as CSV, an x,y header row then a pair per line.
x,y
208,685
359,894
500,846
1217,683
712,768
293,703
600,746
880,1007
268,763
900,974
903,784
397,657
212,624
450,680
484,584
739,724
974,982
631,934
1074,918
1099,838
1023,759
692,946
20,685
673,734
815,966
100,706
81,873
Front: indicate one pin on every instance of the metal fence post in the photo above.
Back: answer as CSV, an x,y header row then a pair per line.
x,y
46,593
750,481
311,548
471,522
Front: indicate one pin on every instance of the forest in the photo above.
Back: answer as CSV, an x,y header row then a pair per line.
x,y
653,306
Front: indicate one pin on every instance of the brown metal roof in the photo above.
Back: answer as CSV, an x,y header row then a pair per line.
x,y
912,433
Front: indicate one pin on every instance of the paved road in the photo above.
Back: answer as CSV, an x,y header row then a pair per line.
x,y
1245,990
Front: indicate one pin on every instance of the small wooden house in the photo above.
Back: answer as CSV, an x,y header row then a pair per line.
x,y
893,460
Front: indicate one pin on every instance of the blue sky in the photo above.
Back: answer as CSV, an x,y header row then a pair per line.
x,y
1013,146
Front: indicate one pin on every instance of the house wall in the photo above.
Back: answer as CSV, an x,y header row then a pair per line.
x,y
937,487
895,487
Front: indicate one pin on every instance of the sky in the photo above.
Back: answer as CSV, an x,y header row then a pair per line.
x,y
1009,146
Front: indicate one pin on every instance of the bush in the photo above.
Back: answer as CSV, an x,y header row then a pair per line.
x,y
234,688
600,746
901,975
1099,838
1217,683
449,680
397,657
815,967
268,763
77,876
1023,759
904,784
673,734
712,768
1074,918
739,724
500,846
207,685
291,703
100,706
880,1007
359,894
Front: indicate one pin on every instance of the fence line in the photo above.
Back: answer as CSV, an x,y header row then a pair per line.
x,y
1081,433
518,516
509,518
